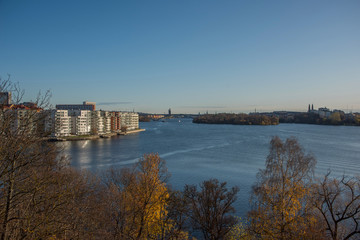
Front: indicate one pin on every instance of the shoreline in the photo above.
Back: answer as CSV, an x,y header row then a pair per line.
x,y
131,131
92,137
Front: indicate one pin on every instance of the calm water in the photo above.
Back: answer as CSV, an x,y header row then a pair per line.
x,y
196,152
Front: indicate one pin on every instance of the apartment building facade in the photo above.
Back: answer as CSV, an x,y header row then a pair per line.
x,y
82,119
115,121
129,120
68,120
80,122
90,106
85,122
58,123
22,119
101,122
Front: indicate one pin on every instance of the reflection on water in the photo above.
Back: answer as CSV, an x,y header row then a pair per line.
x,y
230,153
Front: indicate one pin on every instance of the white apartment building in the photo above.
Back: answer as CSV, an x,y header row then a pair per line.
x,y
101,122
80,122
24,120
130,120
107,121
59,123
85,122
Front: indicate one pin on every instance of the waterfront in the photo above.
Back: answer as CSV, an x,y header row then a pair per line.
x,y
195,152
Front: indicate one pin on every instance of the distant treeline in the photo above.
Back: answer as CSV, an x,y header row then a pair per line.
x,y
236,119
335,118
144,119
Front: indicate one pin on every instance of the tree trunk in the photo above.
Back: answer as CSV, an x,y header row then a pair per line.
x,y
9,196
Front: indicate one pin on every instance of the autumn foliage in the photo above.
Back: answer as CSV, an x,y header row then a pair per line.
x,y
42,197
139,196
282,196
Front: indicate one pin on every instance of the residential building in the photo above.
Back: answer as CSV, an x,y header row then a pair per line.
x,y
101,122
130,120
115,121
90,106
22,118
107,121
80,122
5,98
59,123
324,112
86,122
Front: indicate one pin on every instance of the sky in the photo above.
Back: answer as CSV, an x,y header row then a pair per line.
x,y
190,56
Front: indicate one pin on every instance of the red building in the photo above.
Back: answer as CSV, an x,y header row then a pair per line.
x,y
115,121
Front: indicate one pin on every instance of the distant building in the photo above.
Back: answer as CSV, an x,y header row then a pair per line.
x,y
90,106
58,123
5,98
311,110
80,122
115,121
30,104
156,116
86,122
22,118
101,122
22,107
130,120
324,112
169,111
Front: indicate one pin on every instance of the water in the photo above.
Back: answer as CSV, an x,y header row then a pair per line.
x,y
197,152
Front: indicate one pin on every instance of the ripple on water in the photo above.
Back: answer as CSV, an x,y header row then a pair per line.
x,y
195,152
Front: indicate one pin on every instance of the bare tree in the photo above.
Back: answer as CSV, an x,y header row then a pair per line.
x,y
338,201
22,147
40,196
178,214
211,208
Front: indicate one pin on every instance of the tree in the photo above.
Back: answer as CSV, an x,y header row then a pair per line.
x,y
335,118
124,129
40,196
239,231
139,200
21,149
338,202
61,203
178,215
210,208
281,197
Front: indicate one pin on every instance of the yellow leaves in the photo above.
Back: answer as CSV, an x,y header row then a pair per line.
x,y
145,197
282,194
238,231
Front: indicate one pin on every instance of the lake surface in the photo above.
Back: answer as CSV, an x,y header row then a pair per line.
x,y
231,153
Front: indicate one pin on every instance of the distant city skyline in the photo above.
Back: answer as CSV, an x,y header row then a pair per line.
x,y
190,56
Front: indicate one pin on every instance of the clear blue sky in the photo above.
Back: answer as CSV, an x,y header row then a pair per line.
x,y
191,56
